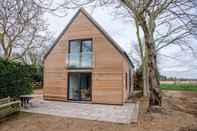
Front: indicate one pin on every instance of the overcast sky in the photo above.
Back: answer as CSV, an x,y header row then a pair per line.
x,y
177,63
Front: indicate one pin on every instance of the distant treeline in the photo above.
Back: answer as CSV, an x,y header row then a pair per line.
x,y
163,78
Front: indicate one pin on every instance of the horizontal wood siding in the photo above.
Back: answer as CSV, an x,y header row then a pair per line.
x,y
107,88
55,80
54,85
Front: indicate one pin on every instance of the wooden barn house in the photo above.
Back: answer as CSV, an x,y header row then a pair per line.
x,y
86,65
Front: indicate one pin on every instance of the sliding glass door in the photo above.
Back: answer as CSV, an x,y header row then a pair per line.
x,y
79,86
74,86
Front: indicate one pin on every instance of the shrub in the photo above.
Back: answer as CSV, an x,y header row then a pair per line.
x,y
15,79
37,76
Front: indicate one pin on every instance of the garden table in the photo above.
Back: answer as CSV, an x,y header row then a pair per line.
x,y
25,100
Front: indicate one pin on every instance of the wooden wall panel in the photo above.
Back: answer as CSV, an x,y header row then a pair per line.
x,y
55,79
126,72
107,88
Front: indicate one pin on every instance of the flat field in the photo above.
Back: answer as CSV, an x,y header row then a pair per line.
x,y
179,86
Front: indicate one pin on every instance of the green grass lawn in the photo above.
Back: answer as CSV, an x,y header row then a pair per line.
x,y
179,87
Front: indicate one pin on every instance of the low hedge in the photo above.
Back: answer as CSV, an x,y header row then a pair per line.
x,y
15,79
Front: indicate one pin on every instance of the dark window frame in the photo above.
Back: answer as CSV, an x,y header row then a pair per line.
x,y
81,41
79,75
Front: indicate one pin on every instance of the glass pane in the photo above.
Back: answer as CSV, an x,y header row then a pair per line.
x,y
80,54
86,59
86,56
74,60
87,46
74,87
85,86
74,46
74,55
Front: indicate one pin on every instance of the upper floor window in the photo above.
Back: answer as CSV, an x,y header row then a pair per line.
x,y
80,53
80,46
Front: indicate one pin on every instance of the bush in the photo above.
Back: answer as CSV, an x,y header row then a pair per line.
x,y
15,79
37,77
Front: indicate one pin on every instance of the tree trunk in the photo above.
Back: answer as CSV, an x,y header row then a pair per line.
x,y
6,50
152,70
6,54
143,56
146,92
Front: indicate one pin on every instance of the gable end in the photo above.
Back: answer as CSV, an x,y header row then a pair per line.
x,y
107,36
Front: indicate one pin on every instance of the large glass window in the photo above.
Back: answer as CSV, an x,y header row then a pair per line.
x,y
86,59
80,53
79,86
74,53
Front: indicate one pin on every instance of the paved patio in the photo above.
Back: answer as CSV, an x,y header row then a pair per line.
x,y
110,113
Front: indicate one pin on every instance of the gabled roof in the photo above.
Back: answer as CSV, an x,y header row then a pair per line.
x,y
91,19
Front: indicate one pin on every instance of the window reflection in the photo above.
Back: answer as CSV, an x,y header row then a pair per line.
x,y
80,53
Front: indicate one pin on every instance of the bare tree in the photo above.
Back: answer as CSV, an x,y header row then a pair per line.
x,y
175,25
146,13
135,54
21,27
35,56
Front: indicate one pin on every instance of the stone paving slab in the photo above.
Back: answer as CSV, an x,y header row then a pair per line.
x,y
125,114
